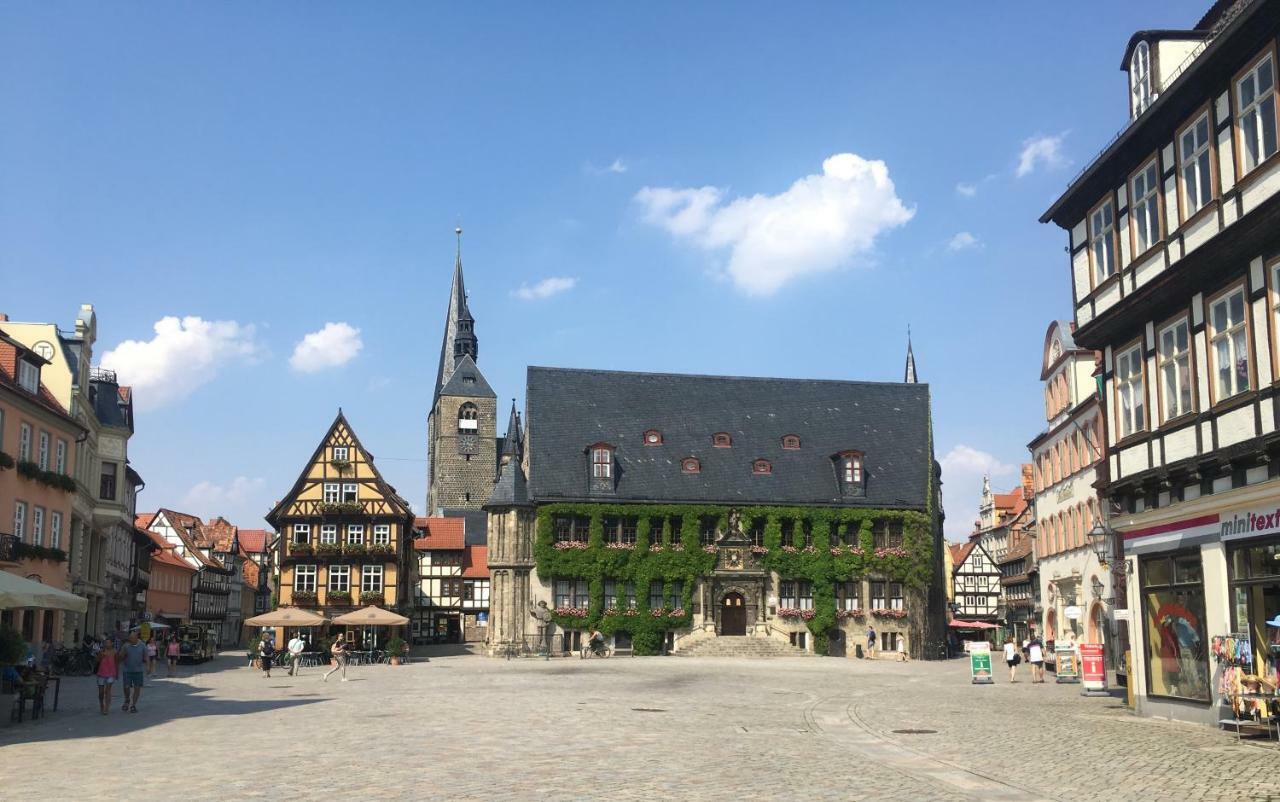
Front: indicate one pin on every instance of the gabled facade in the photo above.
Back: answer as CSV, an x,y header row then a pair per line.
x,y
439,548
977,584
346,533
1174,240
211,587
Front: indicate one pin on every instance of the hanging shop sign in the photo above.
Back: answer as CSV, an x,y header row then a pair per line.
x,y
980,663
1066,664
1072,613
1093,669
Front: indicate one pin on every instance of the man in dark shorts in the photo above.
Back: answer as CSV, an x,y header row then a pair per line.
x,y
133,664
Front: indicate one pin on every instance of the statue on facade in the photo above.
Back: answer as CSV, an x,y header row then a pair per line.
x,y
542,615
735,522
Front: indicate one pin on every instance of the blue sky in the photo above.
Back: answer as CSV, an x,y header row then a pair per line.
x,y
258,171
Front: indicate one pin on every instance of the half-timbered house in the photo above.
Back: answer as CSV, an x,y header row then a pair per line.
x,y
977,584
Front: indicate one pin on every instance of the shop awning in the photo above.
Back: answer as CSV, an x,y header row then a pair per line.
x,y
372,615
958,624
287,617
15,591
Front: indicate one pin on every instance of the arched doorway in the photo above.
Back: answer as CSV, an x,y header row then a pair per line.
x,y
836,643
1094,628
1051,625
733,614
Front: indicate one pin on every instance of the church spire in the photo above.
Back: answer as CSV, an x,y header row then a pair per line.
x,y
459,326
910,372
513,443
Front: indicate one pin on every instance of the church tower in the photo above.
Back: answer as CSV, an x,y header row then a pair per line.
x,y
462,444
511,525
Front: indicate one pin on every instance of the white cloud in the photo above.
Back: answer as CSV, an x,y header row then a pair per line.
x,y
185,354
966,190
241,501
962,470
963,241
332,346
1041,151
820,223
545,288
616,167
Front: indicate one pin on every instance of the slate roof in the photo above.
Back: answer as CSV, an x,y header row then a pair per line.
x,y
569,410
511,489
440,533
467,381
475,564
110,404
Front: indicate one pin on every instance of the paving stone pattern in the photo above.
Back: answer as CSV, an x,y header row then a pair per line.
x,y
464,727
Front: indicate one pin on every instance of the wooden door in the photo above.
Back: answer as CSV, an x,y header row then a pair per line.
x,y
733,615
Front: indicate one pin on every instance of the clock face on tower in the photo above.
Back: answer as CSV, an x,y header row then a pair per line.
x,y
468,444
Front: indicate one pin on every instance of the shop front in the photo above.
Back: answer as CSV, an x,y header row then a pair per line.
x,y
1254,571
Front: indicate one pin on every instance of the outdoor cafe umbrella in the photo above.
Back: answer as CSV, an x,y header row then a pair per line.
x,y
371,616
287,617
15,591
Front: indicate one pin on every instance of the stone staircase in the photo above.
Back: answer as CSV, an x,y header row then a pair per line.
x,y
741,646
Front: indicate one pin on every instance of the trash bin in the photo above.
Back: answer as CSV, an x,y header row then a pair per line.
x,y
858,650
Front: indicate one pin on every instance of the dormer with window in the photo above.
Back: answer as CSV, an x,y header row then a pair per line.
x,y
761,467
690,465
28,376
791,442
653,437
850,473
721,440
1140,90
602,468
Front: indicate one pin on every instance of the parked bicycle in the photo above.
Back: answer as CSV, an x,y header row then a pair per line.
x,y
77,662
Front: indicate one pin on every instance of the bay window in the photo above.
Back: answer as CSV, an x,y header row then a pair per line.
x,y
1256,113
1175,369
1229,344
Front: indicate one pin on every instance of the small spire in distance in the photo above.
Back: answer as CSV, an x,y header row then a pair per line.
x,y
909,375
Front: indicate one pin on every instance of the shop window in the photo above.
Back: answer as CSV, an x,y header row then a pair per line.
x,y
1177,663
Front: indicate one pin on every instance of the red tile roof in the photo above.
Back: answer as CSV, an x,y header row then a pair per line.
x,y
440,533
144,519
960,553
219,534
166,553
254,541
251,574
475,565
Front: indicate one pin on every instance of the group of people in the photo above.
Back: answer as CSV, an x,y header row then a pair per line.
x,y
133,660
268,655
1032,649
872,644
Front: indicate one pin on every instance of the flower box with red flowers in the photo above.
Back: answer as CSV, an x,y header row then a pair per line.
x,y
856,614
884,612
572,612
620,546
795,612
571,545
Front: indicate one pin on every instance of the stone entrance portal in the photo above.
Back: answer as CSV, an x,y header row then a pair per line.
x,y
733,615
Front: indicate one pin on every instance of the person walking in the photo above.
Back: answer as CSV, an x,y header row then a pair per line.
x,y
296,646
902,649
133,664
1011,657
172,651
267,652
151,655
871,642
1035,656
106,675
338,651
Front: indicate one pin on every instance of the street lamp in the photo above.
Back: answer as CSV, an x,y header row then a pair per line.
x,y
1100,540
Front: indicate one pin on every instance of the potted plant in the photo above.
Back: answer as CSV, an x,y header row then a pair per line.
x,y
372,597
396,648
341,465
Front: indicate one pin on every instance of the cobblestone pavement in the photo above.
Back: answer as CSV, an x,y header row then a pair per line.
x,y
468,727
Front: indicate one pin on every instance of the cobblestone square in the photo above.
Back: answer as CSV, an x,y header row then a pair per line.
x,y
465,727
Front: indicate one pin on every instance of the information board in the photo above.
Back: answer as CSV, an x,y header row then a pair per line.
x,y
980,663
1092,667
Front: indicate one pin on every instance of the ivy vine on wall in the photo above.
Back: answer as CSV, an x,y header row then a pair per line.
x,y
674,554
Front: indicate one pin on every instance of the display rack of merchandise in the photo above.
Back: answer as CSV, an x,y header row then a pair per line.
x,y
1252,697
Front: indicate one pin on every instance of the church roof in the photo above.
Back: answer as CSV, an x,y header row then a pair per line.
x,y
457,311
467,381
511,490
570,410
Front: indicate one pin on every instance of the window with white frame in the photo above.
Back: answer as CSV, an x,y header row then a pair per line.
x,y
355,534
340,454
60,457
1145,208
1175,369
895,596
848,594
350,492
877,595
601,462
804,594
20,520
37,525
328,534
382,535
28,376
339,578
55,529
1256,115
787,594
371,579
1140,78
304,578
610,594
332,492
1193,161
301,533
1102,241
1131,391
43,451
1229,344
24,443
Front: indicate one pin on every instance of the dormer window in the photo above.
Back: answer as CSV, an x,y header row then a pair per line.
x,y
1140,79
761,467
602,461
851,469
28,376
653,437
468,418
690,465
791,442
721,440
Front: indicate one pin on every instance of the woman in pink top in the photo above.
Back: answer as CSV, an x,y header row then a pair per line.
x,y
173,652
106,675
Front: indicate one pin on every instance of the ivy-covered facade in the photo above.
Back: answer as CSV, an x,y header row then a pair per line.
x,y
670,510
